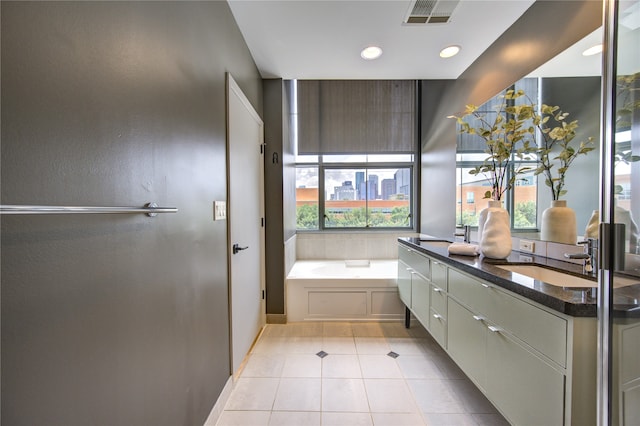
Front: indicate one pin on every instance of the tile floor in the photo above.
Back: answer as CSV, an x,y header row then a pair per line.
x,y
373,374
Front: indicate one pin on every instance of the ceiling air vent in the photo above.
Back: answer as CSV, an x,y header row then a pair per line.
x,y
431,11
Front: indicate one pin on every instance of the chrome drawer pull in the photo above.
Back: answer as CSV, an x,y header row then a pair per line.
x,y
437,290
478,318
436,316
494,329
484,285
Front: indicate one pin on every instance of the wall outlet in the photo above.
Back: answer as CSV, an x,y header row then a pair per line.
x,y
527,246
525,259
219,210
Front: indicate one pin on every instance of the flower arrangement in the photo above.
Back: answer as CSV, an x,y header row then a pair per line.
x,y
511,135
507,136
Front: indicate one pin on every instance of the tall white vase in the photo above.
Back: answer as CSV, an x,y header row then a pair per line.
x,y
559,223
631,231
482,217
496,234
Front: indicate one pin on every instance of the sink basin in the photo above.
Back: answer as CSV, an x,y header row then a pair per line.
x,y
436,242
549,276
560,279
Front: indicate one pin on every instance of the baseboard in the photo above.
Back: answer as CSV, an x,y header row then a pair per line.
x,y
218,408
276,318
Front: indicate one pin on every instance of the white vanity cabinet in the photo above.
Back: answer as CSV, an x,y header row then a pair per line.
x,y
529,360
536,365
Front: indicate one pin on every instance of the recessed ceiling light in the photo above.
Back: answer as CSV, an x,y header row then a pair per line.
x,y
449,51
371,52
593,50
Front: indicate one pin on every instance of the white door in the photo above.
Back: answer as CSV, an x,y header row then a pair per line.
x,y
245,221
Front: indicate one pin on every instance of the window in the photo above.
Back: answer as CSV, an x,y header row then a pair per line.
x,y
356,157
307,199
363,194
471,196
521,201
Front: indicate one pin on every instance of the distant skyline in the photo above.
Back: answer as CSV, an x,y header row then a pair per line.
x,y
308,177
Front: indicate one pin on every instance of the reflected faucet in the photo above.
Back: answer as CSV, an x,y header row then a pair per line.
x,y
465,234
590,256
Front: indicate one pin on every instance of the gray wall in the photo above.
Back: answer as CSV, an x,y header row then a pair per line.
x,y
280,184
116,319
544,30
274,131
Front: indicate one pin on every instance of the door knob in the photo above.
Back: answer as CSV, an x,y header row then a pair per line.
x,y
236,248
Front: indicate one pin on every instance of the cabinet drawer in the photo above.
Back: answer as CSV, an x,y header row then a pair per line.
x,y
467,342
526,389
415,260
438,328
439,300
439,274
469,291
542,330
420,299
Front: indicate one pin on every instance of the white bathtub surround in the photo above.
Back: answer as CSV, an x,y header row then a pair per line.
x,y
289,254
348,245
331,290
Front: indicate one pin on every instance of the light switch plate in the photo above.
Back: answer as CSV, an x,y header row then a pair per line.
x,y
219,210
527,246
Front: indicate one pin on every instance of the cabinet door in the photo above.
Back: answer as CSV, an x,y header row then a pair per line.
x,y
467,342
527,390
404,283
420,293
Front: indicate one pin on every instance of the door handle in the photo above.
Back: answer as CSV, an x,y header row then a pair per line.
x,y
236,248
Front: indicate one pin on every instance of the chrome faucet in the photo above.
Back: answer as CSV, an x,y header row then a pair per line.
x,y
465,234
590,256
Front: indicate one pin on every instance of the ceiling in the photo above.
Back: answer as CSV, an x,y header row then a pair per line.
x,y
322,39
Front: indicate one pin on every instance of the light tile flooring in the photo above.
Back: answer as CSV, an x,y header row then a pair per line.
x,y
285,382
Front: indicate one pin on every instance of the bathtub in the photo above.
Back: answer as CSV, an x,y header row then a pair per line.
x,y
339,290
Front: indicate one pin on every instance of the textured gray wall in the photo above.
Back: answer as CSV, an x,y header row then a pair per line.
x,y
544,30
116,319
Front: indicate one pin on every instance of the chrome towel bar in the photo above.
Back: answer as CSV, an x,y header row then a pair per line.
x,y
150,209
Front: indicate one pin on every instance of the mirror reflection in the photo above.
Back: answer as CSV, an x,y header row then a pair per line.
x,y
572,82
627,132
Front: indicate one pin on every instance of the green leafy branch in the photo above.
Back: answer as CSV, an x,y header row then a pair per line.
x,y
555,147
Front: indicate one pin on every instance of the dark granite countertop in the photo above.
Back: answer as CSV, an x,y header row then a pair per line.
x,y
576,301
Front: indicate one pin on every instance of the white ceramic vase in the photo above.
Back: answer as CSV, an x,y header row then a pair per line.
x,y
496,234
482,217
624,216
559,223
592,230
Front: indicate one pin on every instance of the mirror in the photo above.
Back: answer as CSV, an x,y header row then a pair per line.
x,y
627,132
572,82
